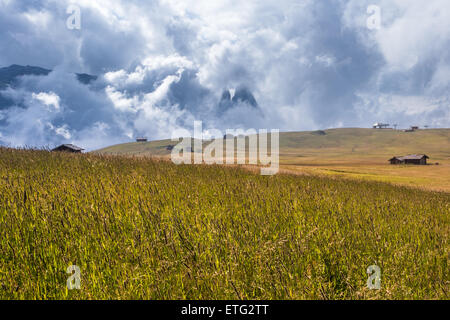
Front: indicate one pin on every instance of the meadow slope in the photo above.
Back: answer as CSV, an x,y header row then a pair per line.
x,y
355,153
142,228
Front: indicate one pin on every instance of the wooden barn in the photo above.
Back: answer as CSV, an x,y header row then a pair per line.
x,y
68,148
419,159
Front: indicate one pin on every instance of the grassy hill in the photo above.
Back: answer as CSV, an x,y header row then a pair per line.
x,y
332,143
141,228
349,152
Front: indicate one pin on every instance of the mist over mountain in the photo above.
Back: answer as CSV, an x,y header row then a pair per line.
x,y
10,77
112,105
151,67
241,95
85,78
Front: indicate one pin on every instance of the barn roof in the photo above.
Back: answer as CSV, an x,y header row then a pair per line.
x,y
69,146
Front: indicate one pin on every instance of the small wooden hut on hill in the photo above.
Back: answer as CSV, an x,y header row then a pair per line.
x,y
419,159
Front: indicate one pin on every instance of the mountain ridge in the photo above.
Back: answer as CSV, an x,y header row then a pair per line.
x,y
9,76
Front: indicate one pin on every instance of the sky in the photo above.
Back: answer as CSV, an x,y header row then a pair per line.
x,y
163,64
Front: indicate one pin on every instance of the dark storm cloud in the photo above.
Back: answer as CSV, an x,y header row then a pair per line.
x,y
162,64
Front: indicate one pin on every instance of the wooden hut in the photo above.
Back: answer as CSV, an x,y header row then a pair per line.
x,y
418,159
68,148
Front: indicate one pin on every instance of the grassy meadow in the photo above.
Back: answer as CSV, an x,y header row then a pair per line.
x,y
142,228
354,153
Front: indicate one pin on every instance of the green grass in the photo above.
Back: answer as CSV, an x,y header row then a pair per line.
x,y
141,228
348,152
355,143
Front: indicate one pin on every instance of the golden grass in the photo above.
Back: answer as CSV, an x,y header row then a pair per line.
x,y
430,177
348,153
146,229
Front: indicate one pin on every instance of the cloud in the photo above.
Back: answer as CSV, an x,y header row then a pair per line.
x,y
48,99
162,64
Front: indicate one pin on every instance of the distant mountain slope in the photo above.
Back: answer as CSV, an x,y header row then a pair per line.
x,y
85,78
355,143
241,95
347,153
9,76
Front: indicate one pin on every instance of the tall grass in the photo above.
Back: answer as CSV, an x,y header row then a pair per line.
x,y
147,229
